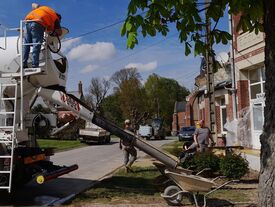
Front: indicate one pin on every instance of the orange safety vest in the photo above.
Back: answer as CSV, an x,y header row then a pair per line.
x,y
45,16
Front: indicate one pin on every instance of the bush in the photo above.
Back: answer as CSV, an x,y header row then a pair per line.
x,y
233,166
203,160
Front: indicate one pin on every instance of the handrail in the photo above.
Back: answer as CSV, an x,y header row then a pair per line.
x,y
21,77
22,72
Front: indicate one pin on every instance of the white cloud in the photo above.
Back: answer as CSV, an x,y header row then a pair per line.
x,y
69,43
92,52
89,68
143,67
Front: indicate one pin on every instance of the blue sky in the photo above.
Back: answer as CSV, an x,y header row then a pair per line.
x,y
102,53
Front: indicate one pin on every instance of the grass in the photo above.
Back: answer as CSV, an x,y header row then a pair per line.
x,y
139,187
173,148
59,145
145,185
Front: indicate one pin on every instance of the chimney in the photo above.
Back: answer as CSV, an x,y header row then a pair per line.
x,y
80,90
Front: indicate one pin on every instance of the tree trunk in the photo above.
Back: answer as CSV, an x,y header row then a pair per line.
x,y
267,173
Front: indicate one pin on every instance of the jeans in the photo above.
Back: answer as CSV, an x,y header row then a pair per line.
x,y
34,34
129,152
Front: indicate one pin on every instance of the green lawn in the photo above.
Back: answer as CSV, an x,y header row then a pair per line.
x,y
145,185
59,145
173,148
142,186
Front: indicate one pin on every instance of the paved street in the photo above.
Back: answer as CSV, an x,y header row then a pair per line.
x,y
94,161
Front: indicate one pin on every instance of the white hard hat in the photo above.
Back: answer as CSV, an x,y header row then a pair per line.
x,y
127,121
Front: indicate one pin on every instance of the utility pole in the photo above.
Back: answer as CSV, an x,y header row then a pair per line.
x,y
232,61
210,76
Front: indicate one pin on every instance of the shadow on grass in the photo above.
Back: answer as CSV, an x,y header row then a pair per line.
x,y
125,185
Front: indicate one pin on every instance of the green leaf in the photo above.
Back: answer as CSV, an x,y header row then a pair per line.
x,y
132,40
123,29
129,26
151,31
187,49
132,7
139,19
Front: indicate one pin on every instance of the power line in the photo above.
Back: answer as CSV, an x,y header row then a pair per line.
x,y
102,28
94,31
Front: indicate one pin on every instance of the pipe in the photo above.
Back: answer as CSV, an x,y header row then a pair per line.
x,y
166,159
233,69
75,105
42,178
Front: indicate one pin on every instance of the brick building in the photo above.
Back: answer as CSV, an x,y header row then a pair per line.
x,y
250,78
197,107
248,50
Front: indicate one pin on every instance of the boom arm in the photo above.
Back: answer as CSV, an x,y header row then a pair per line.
x,y
80,109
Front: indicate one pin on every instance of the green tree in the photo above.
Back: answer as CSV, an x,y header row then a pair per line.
x,y
186,16
110,107
162,93
130,92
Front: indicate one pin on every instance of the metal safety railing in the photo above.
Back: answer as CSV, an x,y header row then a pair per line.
x,y
22,71
9,138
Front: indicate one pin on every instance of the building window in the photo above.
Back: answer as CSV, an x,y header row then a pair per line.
x,y
257,96
257,81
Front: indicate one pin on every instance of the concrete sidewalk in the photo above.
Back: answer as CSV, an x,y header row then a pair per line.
x,y
254,161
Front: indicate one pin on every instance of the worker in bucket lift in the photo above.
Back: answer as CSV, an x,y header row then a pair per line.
x,y
43,19
129,151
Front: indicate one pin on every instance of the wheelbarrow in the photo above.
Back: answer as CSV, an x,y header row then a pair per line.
x,y
187,183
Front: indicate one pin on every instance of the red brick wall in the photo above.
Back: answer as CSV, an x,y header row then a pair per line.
x,y
229,108
187,119
218,119
181,121
174,122
243,94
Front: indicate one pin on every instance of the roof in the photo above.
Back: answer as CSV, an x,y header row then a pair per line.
x,y
179,106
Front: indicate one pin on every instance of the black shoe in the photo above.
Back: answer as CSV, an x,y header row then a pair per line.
x,y
25,66
35,66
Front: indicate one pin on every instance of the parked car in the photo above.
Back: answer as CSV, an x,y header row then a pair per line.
x,y
186,133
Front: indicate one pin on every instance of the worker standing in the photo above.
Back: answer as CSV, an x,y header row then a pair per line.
x,y
43,18
129,151
202,136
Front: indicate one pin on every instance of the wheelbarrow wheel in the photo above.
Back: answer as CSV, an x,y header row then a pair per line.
x,y
171,190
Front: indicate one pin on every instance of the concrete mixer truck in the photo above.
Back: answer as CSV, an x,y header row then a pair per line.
x,y
21,159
